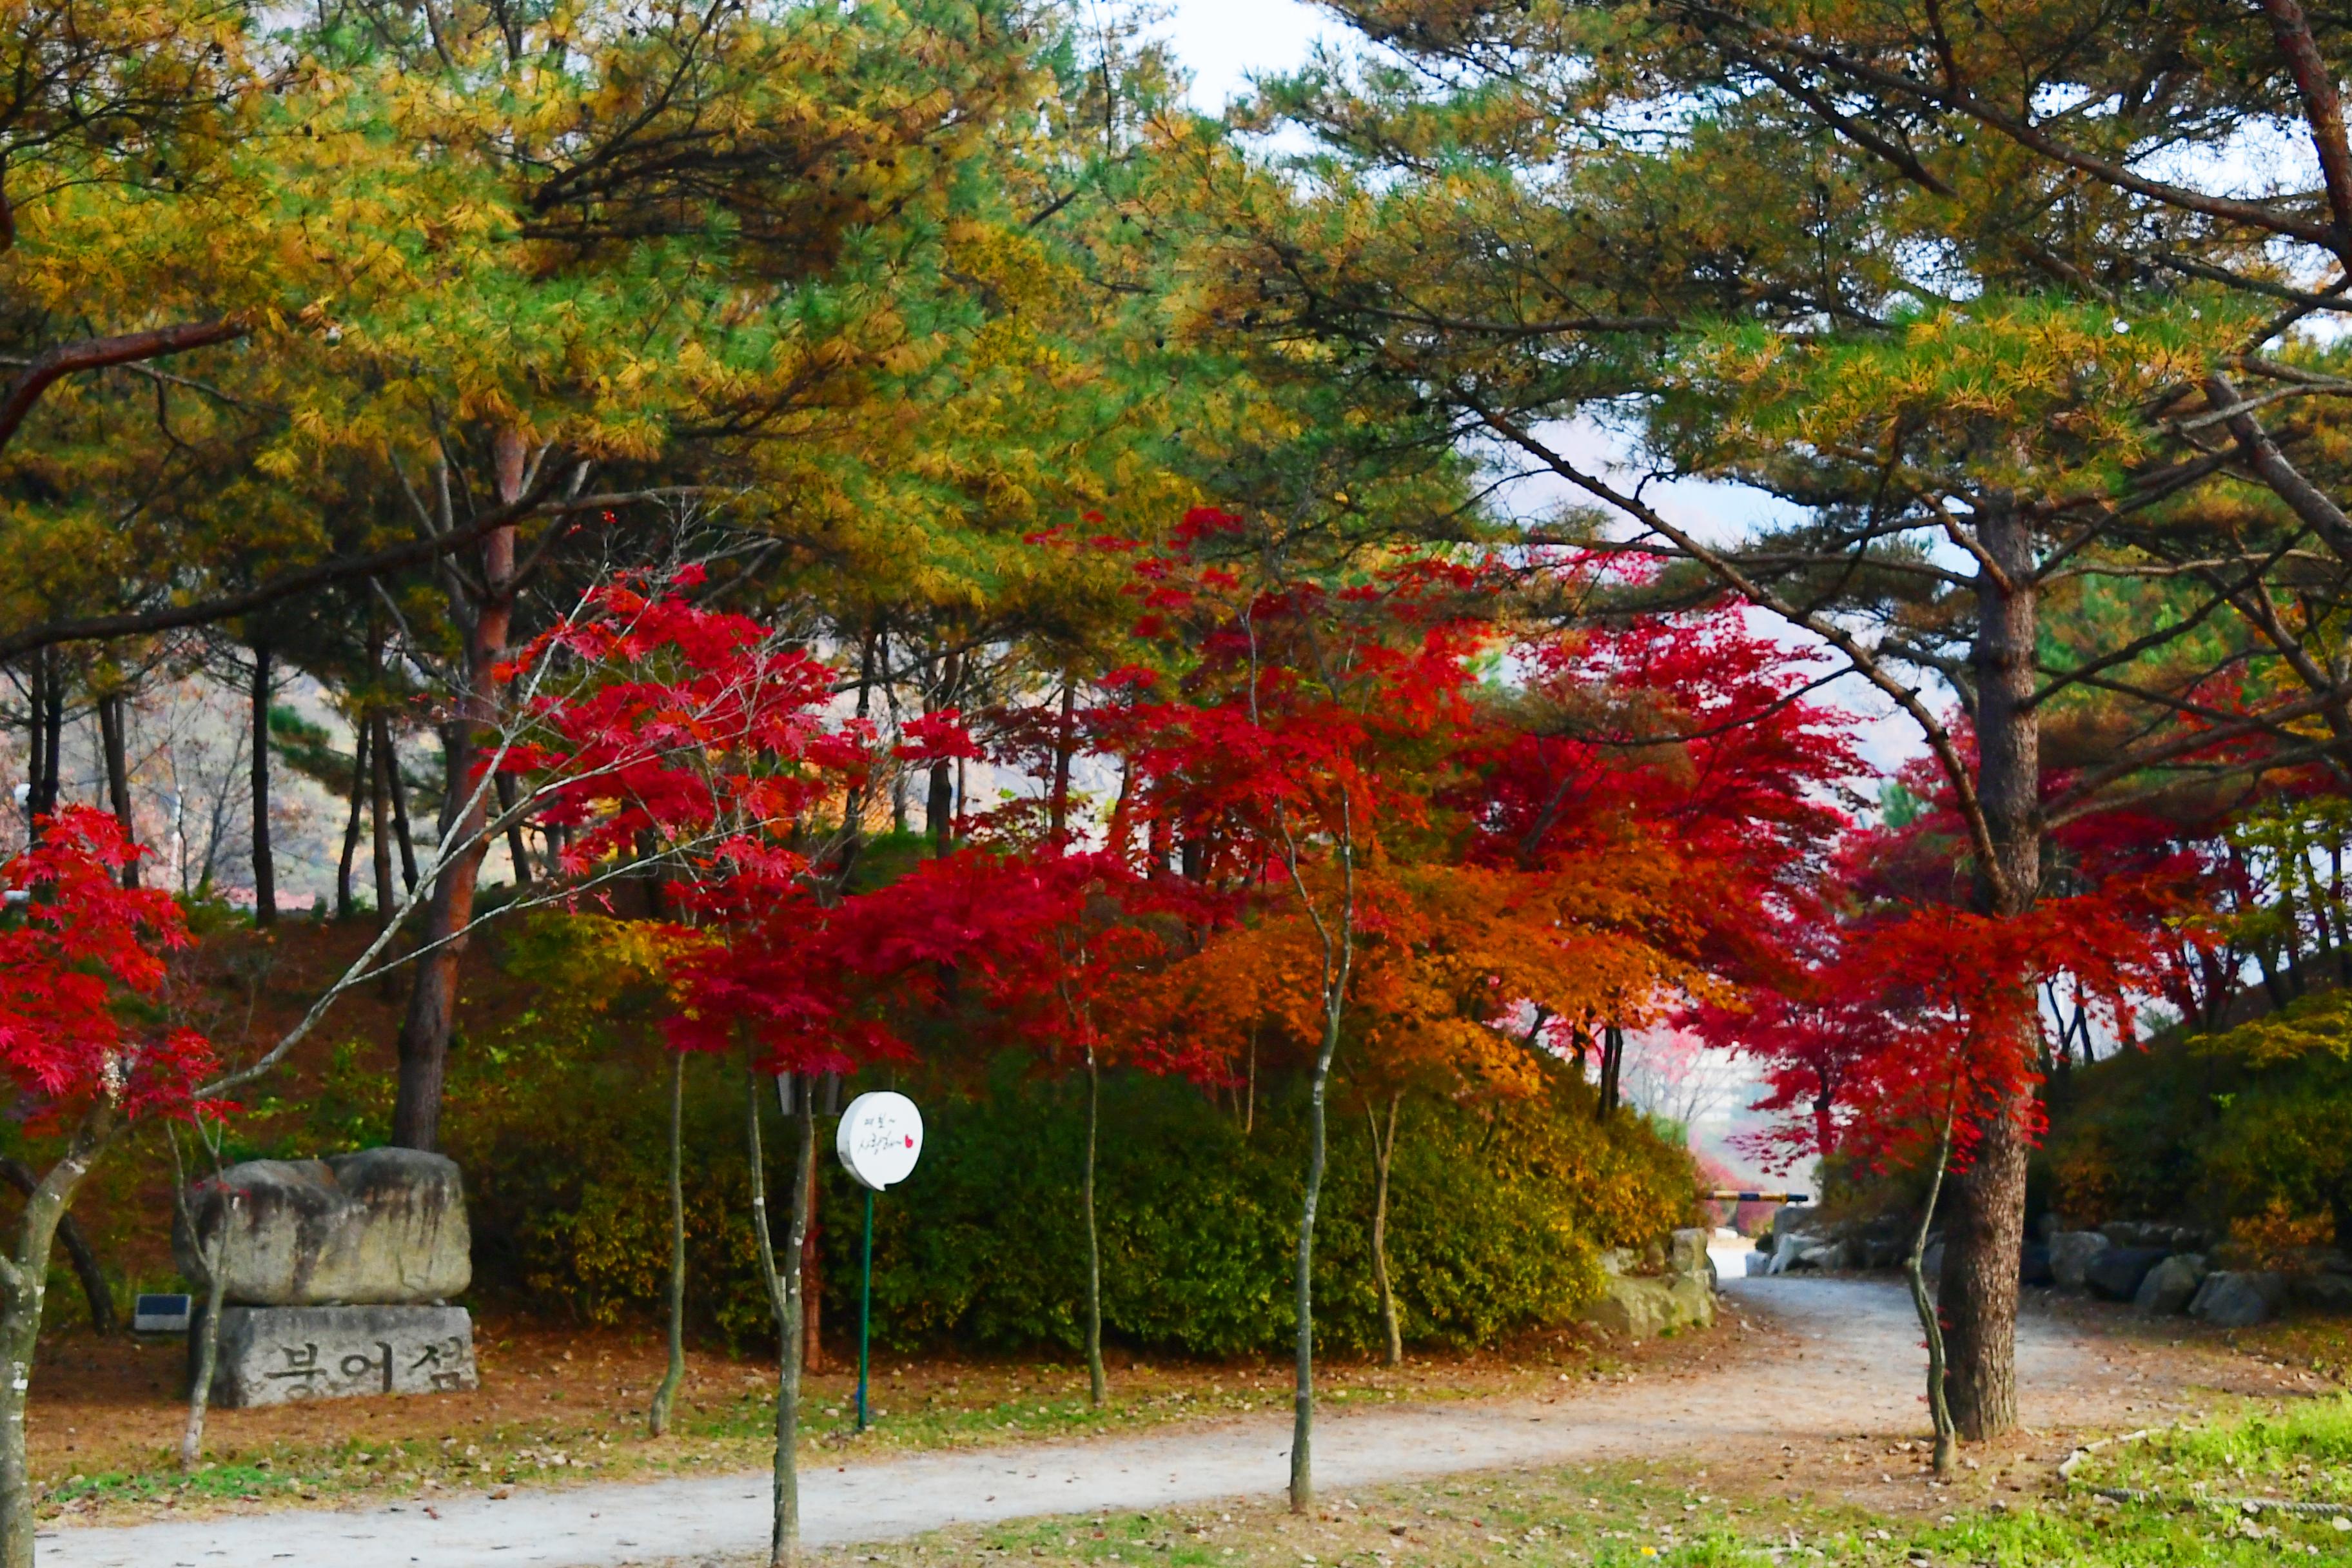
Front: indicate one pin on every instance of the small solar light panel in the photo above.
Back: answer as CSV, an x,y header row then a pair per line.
x,y
160,1314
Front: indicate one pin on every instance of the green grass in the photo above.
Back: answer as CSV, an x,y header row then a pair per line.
x,y
2302,1452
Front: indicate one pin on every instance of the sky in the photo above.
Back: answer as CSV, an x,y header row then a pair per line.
x,y
1225,41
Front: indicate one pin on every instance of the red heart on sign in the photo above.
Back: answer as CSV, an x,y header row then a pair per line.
x,y
911,1140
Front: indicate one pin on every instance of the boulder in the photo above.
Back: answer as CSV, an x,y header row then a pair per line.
x,y
1644,1307
2170,1286
2156,1233
1756,1263
280,1356
1826,1255
1931,1262
1687,1253
2033,1265
2330,1292
2230,1299
2071,1252
2114,1275
383,1227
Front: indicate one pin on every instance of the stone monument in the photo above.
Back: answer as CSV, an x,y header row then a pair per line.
x,y
336,1275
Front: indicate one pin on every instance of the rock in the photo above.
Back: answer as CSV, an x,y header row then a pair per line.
x,y
1756,1264
2033,1265
2156,1233
2330,1292
1687,1253
1825,1256
2234,1300
1931,1262
2170,1286
278,1355
386,1225
1645,1308
2114,1275
2071,1252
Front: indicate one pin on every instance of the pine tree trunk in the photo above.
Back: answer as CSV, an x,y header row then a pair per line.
x,y
1064,736
24,1282
1383,1154
517,851
1097,1385
1985,1236
657,1417
347,905
116,743
424,1047
265,863
396,790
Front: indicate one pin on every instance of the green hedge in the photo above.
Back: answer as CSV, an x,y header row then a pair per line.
x,y
1498,1213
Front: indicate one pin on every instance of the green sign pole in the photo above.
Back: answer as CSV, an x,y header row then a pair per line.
x,y
865,1307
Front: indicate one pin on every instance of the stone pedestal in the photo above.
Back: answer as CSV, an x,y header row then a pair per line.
x,y
274,1355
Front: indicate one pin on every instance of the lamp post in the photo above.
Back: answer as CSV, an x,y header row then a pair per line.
x,y
880,1139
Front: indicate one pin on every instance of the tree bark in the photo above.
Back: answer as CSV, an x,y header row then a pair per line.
x,y
24,1282
939,805
657,1417
1383,1154
517,851
1097,1385
395,793
116,743
1986,1232
423,1049
215,1266
265,865
94,1291
1302,1414
1065,739
1930,1323
347,902
784,1303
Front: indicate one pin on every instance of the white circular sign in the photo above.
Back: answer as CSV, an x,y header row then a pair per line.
x,y
881,1138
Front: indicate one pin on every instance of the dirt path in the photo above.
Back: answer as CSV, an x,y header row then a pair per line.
x,y
1835,1359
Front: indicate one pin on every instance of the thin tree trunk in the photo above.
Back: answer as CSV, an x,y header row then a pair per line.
x,y
657,1417
116,743
396,789
265,863
812,1287
424,1047
94,1291
1097,1385
1064,734
939,803
783,1302
517,851
1383,1153
347,905
1249,1105
37,734
1930,1323
214,1263
1985,1232
1302,1423
23,1279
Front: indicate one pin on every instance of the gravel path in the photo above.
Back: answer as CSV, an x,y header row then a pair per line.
x,y
1846,1361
